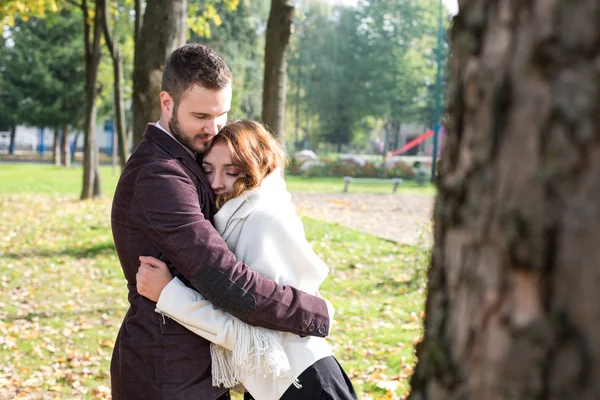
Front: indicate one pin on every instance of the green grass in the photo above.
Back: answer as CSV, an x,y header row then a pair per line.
x,y
50,179
336,185
45,178
63,296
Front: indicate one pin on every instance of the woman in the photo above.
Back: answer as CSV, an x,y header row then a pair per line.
x,y
259,224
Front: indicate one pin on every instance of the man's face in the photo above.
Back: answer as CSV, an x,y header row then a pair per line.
x,y
200,115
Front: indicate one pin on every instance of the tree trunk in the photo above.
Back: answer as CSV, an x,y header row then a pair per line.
x,y
139,15
66,155
163,29
13,134
513,307
120,112
306,143
91,175
56,147
74,149
118,107
297,128
386,144
279,30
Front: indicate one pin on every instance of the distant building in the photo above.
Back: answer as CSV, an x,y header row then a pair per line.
x,y
35,139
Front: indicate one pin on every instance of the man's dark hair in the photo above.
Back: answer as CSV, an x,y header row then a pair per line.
x,y
194,64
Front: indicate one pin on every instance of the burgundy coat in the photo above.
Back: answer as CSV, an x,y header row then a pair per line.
x,y
163,207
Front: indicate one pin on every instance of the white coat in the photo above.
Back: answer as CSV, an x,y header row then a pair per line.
x,y
263,230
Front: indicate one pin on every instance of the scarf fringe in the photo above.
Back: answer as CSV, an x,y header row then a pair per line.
x,y
256,351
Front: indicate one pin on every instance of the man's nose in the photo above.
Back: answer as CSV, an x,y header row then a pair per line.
x,y
211,127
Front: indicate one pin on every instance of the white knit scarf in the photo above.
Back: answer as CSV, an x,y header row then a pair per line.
x,y
256,350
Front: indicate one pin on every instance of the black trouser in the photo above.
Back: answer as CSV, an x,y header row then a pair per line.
x,y
324,380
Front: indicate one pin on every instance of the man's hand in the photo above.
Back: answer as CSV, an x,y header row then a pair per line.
x,y
152,277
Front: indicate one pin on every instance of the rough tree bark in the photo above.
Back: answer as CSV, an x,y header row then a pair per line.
x,y
118,107
91,164
513,307
66,155
163,29
279,30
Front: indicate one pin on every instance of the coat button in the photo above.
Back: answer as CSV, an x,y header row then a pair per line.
x,y
321,330
304,326
312,327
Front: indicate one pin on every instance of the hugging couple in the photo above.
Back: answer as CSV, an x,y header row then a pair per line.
x,y
223,285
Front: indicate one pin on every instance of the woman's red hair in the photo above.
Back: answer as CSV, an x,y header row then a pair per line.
x,y
254,152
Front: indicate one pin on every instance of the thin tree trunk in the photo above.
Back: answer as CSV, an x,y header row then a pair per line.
x,y
307,116
139,18
56,147
513,307
163,29
118,107
279,30
66,155
91,175
13,134
386,140
120,113
74,150
297,128
397,136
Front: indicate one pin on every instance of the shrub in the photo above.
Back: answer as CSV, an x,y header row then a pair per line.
x,y
338,168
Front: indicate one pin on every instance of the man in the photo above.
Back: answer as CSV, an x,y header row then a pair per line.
x,y
163,206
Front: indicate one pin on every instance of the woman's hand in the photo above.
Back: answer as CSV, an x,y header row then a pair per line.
x,y
152,277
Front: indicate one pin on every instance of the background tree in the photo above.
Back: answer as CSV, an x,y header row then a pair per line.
x,y
111,39
279,30
512,307
92,26
162,27
392,43
42,74
336,81
239,37
358,70
8,107
92,31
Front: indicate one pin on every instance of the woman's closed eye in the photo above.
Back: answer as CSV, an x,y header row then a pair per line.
x,y
207,171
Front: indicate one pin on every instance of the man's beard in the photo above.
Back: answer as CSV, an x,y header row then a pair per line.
x,y
184,140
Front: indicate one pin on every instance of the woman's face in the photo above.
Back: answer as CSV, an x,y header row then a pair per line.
x,y
219,170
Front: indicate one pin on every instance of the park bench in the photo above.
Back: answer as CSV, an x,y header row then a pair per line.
x,y
394,181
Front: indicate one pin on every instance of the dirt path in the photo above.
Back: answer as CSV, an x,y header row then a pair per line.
x,y
403,218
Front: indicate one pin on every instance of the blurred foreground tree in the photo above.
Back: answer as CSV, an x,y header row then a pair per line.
x,y
512,307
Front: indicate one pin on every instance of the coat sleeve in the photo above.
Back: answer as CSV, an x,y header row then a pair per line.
x,y
273,242
252,349
277,245
190,309
167,212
